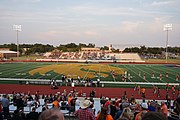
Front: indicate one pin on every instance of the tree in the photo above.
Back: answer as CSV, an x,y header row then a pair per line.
x,y
104,48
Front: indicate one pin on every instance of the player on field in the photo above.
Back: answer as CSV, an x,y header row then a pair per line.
x,y
155,88
160,76
144,76
177,77
153,74
167,74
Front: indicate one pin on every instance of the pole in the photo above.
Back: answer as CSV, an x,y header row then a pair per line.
x,y
167,47
17,44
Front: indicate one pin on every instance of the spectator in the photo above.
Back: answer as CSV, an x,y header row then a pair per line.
x,y
112,109
51,114
43,109
1,110
124,105
5,105
154,116
84,113
72,105
176,112
127,114
164,109
63,104
144,107
19,102
55,103
103,101
16,115
107,104
33,115
103,115
21,113
152,106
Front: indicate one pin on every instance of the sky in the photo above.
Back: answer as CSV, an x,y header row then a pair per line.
x,y
122,23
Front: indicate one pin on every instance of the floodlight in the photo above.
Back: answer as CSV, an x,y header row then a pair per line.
x,y
18,29
167,27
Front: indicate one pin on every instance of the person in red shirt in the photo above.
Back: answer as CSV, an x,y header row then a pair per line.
x,y
84,113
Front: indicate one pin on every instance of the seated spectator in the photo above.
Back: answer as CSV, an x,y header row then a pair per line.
x,y
1,110
43,109
63,105
16,115
152,106
127,114
103,115
154,116
176,111
103,101
72,105
124,105
112,109
21,113
84,113
51,114
33,115
164,108
144,107
56,103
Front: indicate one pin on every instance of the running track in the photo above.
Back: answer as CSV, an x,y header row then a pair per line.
x,y
109,92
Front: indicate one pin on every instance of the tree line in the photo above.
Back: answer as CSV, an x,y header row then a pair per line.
x,y
72,47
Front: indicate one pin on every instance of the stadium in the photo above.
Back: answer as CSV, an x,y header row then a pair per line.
x,y
123,76
89,60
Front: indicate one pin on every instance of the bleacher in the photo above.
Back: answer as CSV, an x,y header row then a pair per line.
x,y
97,56
66,112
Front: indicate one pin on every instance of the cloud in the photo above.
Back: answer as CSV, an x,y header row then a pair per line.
x,y
97,10
90,33
162,3
27,1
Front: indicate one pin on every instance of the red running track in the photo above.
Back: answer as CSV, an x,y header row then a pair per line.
x,y
109,92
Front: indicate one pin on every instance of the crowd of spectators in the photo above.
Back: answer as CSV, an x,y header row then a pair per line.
x,y
111,108
80,55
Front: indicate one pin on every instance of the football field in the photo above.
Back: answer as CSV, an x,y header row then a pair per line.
x,y
155,73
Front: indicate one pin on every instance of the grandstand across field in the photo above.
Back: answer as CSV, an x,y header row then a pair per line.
x,y
93,57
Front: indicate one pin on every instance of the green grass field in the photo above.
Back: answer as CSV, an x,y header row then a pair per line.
x,y
104,71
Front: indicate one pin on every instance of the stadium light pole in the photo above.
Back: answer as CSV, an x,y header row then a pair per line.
x,y
18,29
167,28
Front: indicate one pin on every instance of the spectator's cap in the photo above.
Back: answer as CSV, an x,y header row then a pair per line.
x,y
85,104
107,98
144,105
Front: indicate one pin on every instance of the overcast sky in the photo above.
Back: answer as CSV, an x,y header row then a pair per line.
x,y
102,22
